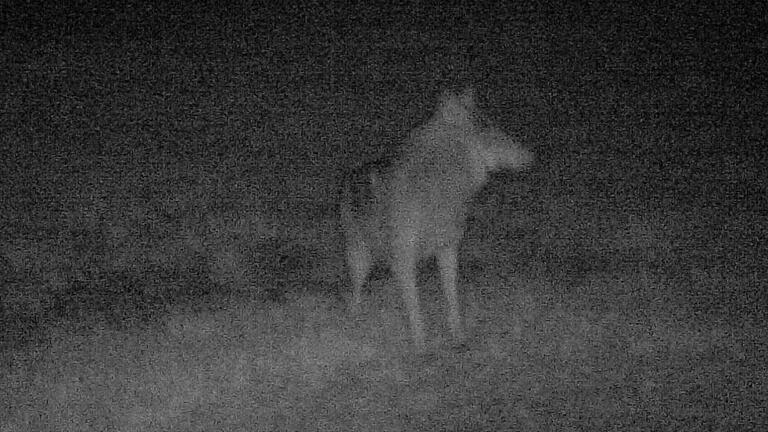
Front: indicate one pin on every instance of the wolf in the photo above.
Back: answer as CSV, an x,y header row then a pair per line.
x,y
416,207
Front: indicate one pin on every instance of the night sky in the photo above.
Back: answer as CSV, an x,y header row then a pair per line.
x,y
662,102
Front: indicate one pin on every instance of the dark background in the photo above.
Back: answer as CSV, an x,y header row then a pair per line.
x,y
657,103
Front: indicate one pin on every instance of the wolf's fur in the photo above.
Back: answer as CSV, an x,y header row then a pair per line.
x,y
416,208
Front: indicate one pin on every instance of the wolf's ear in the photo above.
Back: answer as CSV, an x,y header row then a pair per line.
x,y
447,97
452,108
467,98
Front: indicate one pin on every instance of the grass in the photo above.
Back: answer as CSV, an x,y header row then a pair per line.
x,y
626,349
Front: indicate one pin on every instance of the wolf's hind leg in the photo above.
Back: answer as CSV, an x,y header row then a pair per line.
x,y
447,262
359,264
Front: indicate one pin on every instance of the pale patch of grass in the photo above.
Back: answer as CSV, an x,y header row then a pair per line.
x,y
542,355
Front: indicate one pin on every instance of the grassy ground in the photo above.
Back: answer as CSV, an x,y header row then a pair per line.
x,y
552,346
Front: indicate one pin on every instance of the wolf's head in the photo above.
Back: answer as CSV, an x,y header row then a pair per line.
x,y
489,148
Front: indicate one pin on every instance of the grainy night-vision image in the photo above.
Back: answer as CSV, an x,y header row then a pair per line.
x,y
506,216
